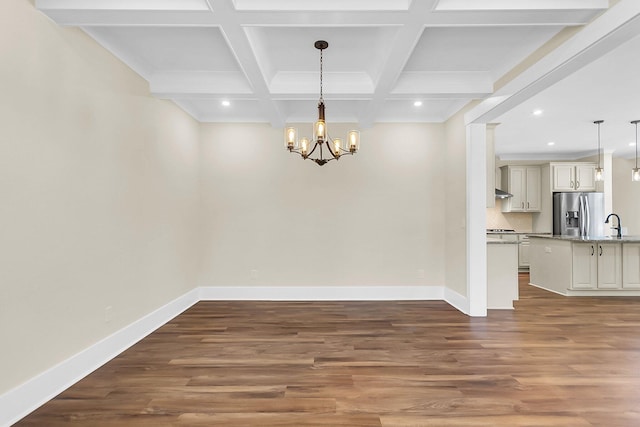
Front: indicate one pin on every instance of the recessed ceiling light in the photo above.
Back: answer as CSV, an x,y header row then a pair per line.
x,y
417,104
550,143
632,144
537,112
225,103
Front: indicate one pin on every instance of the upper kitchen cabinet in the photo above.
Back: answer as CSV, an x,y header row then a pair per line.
x,y
573,177
524,183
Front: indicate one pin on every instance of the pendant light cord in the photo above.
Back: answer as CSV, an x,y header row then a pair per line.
x,y
636,123
321,62
598,122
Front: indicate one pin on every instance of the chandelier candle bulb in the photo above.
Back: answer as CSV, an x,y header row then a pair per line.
x,y
337,145
291,137
320,131
304,146
354,141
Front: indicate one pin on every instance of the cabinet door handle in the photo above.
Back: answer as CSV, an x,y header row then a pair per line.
x,y
592,250
522,205
600,250
577,184
527,205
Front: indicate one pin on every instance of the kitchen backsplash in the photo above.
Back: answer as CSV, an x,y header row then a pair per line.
x,y
519,221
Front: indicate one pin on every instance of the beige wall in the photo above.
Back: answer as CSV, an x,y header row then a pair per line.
x,y
519,221
99,193
626,195
456,203
273,219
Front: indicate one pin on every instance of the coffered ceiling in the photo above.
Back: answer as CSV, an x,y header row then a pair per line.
x,y
383,55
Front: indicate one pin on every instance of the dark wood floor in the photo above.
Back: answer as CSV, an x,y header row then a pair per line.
x,y
554,361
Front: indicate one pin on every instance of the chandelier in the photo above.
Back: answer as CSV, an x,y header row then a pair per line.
x,y
335,147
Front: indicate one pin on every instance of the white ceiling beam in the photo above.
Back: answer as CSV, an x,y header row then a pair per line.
x,y
520,4
239,43
619,24
193,13
405,42
170,5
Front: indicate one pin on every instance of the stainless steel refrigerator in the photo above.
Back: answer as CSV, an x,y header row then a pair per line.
x,y
578,214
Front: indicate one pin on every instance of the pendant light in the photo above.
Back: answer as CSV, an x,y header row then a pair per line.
x,y
599,171
635,172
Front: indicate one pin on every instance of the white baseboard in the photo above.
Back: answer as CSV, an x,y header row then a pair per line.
x,y
460,302
320,293
24,399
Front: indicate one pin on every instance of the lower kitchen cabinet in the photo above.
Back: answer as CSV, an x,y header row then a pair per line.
x,y
597,266
523,253
579,267
631,265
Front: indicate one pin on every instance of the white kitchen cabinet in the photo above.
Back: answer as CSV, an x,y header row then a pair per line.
x,y
524,183
585,266
573,177
597,266
631,265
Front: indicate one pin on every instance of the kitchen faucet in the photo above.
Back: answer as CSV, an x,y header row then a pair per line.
x,y
619,227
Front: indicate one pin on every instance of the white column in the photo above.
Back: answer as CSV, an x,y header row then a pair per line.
x,y
476,219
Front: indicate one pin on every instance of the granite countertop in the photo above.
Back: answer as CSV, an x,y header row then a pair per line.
x,y
590,239
528,233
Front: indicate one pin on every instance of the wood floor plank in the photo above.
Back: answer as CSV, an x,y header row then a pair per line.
x,y
553,361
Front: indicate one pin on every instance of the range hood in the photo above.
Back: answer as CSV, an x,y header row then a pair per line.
x,y
502,194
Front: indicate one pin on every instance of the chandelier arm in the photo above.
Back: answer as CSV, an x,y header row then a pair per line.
x,y
312,150
330,150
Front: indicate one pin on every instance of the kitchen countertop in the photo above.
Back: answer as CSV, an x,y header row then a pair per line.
x,y
507,232
528,233
590,239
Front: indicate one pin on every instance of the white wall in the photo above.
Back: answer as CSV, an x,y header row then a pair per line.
x,y
376,218
99,193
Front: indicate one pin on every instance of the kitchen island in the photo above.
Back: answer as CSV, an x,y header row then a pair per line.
x,y
586,266
502,273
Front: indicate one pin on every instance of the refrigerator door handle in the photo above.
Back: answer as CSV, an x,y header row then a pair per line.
x,y
587,208
580,216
